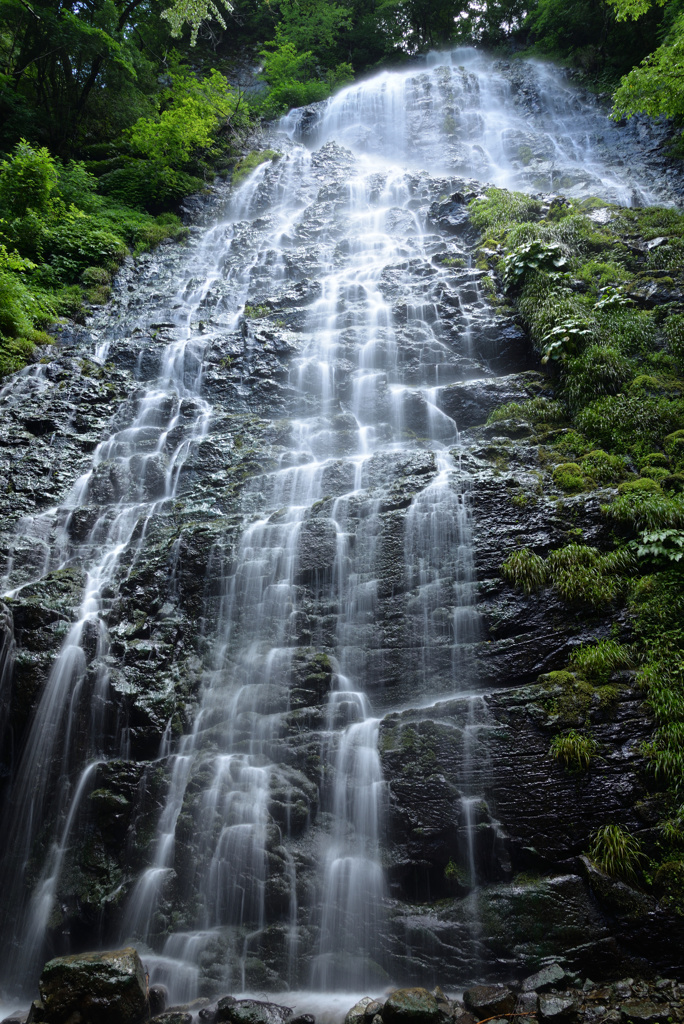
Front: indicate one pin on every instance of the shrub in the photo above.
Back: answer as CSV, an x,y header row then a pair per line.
x,y
148,185
574,749
634,423
525,569
531,256
582,576
642,485
647,510
27,180
617,852
534,410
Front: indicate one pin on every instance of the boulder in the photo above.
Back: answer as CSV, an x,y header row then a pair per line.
x,y
485,1001
642,1011
252,1011
357,1014
172,1017
552,976
102,988
413,1006
557,1009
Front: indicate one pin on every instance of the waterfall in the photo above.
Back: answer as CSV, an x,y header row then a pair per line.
x,y
287,417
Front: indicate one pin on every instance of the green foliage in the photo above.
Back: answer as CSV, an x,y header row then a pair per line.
x,y
603,468
596,662
290,76
656,86
194,13
574,749
565,339
526,570
148,185
256,312
647,510
501,208
27,181
531,256
248,163
667,545
534,410
569,477
600,370
583,576
617,852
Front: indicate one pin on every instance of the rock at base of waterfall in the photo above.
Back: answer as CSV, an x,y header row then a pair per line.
x,y
642,1011
489,1000
557,1009
172,1017
357,1014
552,976
252,1011
413,1006
109,988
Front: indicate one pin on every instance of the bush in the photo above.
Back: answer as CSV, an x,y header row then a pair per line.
x,y
631,423
27,180
582,576
148,185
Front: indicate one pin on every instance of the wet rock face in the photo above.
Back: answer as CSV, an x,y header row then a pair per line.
x,y
107,987
391,577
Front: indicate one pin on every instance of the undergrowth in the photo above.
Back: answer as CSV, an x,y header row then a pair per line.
x,y
583,286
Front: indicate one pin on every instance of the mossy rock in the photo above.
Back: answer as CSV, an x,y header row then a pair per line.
x,y
569,478
641,485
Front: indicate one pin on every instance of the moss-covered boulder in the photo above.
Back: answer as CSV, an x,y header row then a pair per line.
x,y
101,988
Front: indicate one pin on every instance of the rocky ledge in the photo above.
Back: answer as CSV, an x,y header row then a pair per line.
x,y
95,988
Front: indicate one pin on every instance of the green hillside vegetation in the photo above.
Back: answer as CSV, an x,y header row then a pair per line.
x,y
112,112
585,292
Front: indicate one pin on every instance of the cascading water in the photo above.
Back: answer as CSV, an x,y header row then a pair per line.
x,y
339,591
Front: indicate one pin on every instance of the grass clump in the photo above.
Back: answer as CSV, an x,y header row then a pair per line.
x,y
597,662
617,852
574,749
525,570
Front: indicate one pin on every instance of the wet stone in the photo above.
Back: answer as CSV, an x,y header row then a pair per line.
x,y
172,1017
109,988
252,1011
488,1000
357,1014
412,1006
557,1009
642,1011
552,976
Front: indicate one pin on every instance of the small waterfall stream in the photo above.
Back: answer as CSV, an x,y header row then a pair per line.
x,y
339,585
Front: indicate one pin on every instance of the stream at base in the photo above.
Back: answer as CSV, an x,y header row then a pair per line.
x,y
290,418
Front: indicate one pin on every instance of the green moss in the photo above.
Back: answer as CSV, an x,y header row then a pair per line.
x,y
569,478
603,468
657,473
247,164
669,883
643,485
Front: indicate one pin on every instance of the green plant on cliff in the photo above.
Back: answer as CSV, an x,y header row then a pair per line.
x,y
597,662
526,570
574,749
617,852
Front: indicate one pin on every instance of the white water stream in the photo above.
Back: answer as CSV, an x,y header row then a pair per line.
x,y
367,380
